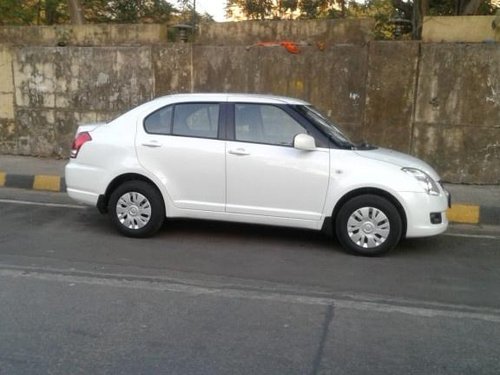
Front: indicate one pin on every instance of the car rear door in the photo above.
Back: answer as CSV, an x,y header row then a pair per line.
x,y
180,145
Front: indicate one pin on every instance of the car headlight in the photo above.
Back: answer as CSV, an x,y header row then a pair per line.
x,y
429,185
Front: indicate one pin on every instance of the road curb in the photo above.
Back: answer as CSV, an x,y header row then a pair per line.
x,y
460,213
464,213
33,182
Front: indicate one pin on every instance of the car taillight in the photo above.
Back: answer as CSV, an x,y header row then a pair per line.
x,y
78,142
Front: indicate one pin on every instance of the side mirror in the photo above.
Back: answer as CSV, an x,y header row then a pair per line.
x,y
304,142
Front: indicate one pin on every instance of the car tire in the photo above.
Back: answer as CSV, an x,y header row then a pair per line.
x,y
368,225
136,209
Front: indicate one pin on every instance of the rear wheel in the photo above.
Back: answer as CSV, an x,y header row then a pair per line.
x,y
136,209
368,225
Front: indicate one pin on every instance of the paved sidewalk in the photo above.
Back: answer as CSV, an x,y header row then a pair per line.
x,y
471,204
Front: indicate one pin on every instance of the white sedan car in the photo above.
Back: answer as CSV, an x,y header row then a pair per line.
x,y
253,159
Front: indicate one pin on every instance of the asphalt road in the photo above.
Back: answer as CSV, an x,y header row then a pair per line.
x,y
218,298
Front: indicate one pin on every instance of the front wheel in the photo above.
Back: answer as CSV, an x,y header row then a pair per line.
x,y
368,225
136,209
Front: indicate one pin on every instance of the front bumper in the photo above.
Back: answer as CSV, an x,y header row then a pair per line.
x,y
420,209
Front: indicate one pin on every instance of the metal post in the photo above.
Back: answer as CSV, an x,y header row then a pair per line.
x,y
193,22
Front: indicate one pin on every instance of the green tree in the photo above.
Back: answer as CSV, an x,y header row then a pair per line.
x,y
127,11
382,11
75,12
33,12
281,9
187,13
16,12
48,12
415,10
386,12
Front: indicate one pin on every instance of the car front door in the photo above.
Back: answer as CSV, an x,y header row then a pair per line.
x,y
266,175
179,144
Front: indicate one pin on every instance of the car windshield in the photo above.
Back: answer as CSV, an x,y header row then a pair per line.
x,y
325,125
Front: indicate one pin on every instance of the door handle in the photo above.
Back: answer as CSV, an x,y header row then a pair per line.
x,y
152,144
239,152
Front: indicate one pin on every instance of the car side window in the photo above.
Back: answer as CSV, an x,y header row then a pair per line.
x,y
160,121
263,123
196,120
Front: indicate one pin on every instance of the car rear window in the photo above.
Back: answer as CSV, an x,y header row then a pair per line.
x,y
185,119
159,122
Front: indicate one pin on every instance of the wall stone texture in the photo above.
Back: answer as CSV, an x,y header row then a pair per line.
x,y
391,87
172,68
457,116
8,136
440,102
84,35
332,79
357,31
469,29
58,87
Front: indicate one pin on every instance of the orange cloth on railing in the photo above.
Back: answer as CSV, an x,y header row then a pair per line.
x,y
291,47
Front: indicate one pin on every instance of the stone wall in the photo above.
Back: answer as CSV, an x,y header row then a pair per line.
x,y
84,35
334,79
307,31
390,94
9,136
457,118
59,87
440,102
469,29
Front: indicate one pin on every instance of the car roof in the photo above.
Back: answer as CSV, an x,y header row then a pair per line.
x,y
159,102
233,97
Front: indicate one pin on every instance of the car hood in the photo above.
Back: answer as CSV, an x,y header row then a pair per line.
x,y
398,158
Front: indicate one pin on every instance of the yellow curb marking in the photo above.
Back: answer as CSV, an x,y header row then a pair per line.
x,y
463,213
2,179
52,183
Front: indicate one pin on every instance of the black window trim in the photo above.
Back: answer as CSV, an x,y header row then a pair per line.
x,y
224,117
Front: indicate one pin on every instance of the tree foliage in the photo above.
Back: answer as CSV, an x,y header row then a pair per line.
x,y
382,11
14,12
48,12
385,12
415,10
27,12
282,9
127,11
188,14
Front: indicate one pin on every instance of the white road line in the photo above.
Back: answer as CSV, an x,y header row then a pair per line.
x,y
446,310
489,237
44,204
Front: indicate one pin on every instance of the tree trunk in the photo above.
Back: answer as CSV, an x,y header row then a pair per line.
x,y
470,7
424,7
75,12
420,10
